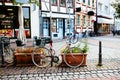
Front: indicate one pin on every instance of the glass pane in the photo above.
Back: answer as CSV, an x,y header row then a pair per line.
x,y
22,1
26,12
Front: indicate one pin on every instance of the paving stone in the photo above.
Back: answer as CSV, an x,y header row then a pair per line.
x,y
59,73
11,78
65,73
23,75
18,78
32,78
70,73
35,75
76,73
47,74
82,76
100,75
41,74
38,78
93,72
24,78
94,75
82,72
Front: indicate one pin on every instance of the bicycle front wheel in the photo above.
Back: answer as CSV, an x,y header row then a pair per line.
x,y
72,59
74,39
41,57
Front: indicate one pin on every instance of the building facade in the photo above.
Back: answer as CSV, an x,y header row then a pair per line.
x,y
104,18
85,18
57,18
9,23
116,21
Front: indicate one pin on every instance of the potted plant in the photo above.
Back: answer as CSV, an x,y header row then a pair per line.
x,y
77,57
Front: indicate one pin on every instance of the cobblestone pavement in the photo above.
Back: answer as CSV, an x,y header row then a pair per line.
x,y
110,70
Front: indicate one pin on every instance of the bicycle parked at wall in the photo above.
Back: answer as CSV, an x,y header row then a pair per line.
x,y
6,52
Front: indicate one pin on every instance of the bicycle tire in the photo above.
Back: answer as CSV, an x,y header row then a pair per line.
x,y
72,57
8,55
40,57
74,39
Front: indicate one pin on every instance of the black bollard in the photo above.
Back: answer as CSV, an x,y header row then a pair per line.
x,y
100,54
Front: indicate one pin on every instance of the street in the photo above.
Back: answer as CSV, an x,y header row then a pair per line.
x,y
110,69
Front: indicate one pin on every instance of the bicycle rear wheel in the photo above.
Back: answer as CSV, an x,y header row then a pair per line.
x,y
71,59
41,57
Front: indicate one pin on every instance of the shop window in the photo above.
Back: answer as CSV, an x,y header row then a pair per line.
x,y
26,17
8,20
63,3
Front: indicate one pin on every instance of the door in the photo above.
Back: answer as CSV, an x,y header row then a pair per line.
x,y
45,27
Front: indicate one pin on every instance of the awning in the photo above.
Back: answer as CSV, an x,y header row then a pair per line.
x,y
107,21
90,13
78,9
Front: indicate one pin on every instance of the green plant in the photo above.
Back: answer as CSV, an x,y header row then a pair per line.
x,y
77,48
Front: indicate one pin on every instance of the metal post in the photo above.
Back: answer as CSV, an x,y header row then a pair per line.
x,y
50,29
50,19
100,54
69,26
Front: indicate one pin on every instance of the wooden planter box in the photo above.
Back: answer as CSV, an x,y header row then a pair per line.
x,y
23,56
24,59
74,61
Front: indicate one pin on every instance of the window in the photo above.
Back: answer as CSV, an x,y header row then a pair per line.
x,y
54,25
78,20
22,1
106,10
89,2
53,2
100,6
84,21
88,20
63,3
83,1
93,3
26,17
70,3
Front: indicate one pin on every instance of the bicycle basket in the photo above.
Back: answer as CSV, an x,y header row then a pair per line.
x,y
40,42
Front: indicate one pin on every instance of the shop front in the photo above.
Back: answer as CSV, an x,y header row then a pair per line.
x,y
9,23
